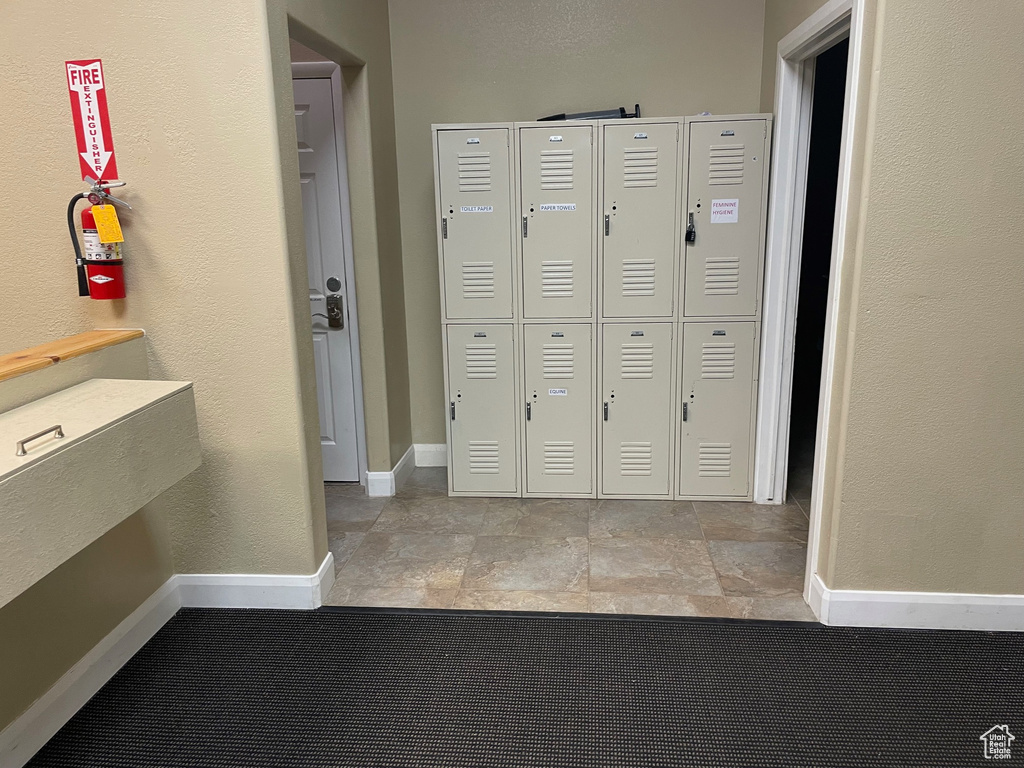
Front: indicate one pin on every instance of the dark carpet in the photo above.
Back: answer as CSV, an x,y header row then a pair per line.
x,y
446,689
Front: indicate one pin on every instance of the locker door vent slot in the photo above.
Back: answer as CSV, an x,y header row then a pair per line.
x,y
483,457
636,459
714,460
559,361
559,457
556,279
725,164
481,362
478,279
718,361
556,168
474,171
637,361
640,167
638,277
722,276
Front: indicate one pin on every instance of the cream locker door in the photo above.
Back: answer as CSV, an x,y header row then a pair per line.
x,y
725,195
481,408
639,219
717,395
636,393
476,225
557,185
559,409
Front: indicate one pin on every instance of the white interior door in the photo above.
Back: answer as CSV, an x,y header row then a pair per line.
x,y
328,282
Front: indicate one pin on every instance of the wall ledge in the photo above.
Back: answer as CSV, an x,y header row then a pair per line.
x,y
915,610
53,352
20,740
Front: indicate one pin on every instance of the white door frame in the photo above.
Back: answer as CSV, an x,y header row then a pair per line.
x,y
834,21
302,70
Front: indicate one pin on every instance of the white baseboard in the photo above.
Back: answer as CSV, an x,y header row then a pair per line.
x,y
431,454
245,590
389,483
25,736
915,610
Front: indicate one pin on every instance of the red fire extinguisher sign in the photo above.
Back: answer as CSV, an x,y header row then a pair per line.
x,y
92,123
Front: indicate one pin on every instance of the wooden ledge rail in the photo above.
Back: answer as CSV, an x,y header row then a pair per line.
x,y
53,352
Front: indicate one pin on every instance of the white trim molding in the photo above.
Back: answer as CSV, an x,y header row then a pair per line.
x,y
246,590
389,483
794,93
25,736
431,454
916,610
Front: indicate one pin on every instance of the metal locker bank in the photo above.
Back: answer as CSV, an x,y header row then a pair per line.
x,y
600,293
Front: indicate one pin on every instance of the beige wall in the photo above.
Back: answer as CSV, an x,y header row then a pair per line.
x,y
192,108
355,33
202,123
780,18
929,444
470,61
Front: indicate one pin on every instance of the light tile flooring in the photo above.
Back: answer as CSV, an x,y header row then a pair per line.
x,y
422,549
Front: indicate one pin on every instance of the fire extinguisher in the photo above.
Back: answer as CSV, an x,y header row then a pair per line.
x,y
101,268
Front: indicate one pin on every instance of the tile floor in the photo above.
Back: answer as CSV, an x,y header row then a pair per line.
x,y
422,549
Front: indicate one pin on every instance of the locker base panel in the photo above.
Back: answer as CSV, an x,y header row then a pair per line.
x,y
487,495
749,498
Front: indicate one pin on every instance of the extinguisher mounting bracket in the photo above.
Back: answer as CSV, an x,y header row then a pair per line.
x,y
98,194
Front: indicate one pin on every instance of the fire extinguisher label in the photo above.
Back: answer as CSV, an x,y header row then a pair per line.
x,y
97,251
101,279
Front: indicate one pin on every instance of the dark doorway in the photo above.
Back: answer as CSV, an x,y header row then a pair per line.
x,y
815,260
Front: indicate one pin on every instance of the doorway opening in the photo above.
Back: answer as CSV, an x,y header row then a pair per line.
x,y
834,37
327,221
815,261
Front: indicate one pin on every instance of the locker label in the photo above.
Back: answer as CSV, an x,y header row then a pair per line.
x,y
725,211
558,392
639,135
558,206
555,138
477,209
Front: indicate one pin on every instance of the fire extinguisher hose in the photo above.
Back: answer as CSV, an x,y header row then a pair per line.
x,y
83,283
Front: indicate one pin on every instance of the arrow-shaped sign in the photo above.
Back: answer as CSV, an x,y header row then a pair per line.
x,y
92,123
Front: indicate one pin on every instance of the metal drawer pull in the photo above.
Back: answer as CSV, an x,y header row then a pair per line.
x,y
56,429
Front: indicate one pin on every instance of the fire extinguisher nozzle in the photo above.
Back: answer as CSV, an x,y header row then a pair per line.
x,y
83,281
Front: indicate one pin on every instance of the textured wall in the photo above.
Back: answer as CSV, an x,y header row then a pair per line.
x,y
469,61
930,443
780,18
207,268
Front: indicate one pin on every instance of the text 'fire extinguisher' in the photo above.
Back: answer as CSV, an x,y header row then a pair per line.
x,y
100,267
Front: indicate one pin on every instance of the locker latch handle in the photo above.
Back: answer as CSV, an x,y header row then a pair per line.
x,y
524,225
685,411
451,405
606,410
607,224
691,231
444,227
529,410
